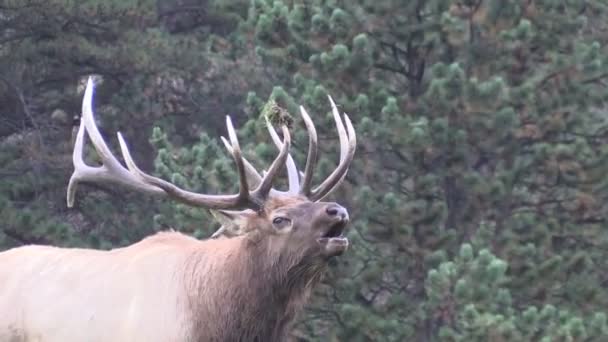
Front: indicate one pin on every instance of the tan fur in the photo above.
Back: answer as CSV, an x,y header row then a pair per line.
x,y
127,294
167,287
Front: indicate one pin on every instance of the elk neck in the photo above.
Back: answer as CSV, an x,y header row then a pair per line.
x,y
250,291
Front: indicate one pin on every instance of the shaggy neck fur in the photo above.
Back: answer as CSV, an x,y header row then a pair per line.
x,y
251,292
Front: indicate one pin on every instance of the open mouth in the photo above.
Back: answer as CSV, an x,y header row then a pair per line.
x,y
332,241
335,230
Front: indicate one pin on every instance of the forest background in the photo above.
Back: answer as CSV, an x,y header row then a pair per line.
x,y
478,192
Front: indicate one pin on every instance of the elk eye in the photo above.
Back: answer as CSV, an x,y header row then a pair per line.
x,y
281,222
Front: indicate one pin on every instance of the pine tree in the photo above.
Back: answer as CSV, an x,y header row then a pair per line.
x,y
474,113
469,300
147,74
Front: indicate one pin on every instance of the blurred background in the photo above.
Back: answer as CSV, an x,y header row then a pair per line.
x,y
478,191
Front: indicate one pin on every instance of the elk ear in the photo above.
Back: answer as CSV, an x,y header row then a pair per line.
x,y
233,222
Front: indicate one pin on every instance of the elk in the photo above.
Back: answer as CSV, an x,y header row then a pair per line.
x,y
245,283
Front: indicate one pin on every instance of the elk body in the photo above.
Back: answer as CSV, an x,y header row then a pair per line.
x,y
246,283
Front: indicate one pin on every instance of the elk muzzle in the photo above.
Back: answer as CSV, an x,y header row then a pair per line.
x,y
332,239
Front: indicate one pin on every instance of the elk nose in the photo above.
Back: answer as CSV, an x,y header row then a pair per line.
x,y
336,210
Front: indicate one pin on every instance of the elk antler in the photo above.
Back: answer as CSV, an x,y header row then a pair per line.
x,y
112,171
348,143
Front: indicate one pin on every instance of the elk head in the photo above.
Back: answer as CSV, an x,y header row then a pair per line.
x,y
296,219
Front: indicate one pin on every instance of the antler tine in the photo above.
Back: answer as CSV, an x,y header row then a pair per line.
x,y
311,158
261,193
253,176
111,169
348,143
293,176
238,158
79,165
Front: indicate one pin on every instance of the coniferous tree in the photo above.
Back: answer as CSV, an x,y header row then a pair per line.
x,y
147,73
475,113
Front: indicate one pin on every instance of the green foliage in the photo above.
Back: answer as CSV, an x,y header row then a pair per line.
x,y
48,49
469,299
472,115
203,168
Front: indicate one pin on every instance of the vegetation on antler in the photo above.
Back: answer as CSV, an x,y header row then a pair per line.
x,y
277,114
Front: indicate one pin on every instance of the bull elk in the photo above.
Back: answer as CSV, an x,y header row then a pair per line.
x,y
246,283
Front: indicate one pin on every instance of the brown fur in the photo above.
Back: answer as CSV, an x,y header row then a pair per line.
x,y
250,296
257,290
